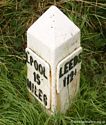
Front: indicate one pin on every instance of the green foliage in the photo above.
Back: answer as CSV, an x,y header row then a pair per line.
x,y
16,108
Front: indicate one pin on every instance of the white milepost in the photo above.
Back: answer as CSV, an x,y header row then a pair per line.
x,y
53,60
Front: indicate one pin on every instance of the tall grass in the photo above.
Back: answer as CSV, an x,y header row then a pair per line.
x,y
15,106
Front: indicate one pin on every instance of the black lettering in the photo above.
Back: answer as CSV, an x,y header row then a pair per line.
x,y
35,91
64,81
71,64
32,87
40,69
66,67
71,76
31,60
27,59
43,72
36,65
40,94
36,78
45,99
60,73
68,78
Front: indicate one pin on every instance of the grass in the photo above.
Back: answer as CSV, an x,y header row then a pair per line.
x,y
15,106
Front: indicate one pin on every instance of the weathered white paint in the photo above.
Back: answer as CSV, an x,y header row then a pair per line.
x,y
54,39
67,95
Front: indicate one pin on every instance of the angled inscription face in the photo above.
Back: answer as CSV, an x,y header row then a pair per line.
x,y
67,69
38,78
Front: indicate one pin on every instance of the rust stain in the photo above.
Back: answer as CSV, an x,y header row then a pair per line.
x,y
50,73
58,107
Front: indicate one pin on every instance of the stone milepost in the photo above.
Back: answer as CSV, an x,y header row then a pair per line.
x,y
53,60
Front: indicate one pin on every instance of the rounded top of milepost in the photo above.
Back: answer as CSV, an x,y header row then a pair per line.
x,y
53,28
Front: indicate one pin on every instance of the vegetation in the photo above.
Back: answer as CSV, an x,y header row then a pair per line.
x,y
90,105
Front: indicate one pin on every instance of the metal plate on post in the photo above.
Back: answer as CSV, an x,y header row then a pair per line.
x,y
38,77
67,69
